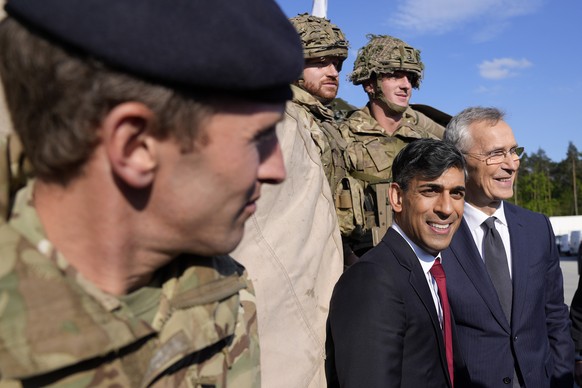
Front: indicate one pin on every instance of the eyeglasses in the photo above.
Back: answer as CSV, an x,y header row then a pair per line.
x,y
498,156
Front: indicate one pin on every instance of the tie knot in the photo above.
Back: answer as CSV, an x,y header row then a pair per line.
x,y
490,222
437,269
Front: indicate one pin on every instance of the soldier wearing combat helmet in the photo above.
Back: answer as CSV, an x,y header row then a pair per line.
x,y
292,245
388,69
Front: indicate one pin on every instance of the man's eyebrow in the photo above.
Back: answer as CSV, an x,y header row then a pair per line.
x,y
431,185
440,186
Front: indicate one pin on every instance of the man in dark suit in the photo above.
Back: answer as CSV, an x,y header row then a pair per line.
x,y
389,324
503,274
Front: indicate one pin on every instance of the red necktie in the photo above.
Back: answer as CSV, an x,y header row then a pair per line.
x,y
439,275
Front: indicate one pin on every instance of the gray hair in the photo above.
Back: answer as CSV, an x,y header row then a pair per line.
x,y
457,131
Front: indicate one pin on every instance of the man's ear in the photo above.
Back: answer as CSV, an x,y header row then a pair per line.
x,y
369,86
395,195
130,147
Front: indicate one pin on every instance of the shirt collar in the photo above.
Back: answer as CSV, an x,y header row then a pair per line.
x,y
426,259
475,217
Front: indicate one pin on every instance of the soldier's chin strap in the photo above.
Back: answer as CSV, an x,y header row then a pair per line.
x,y
379,95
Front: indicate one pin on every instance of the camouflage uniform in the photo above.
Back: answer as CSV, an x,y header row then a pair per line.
x,y
320,38
57,329
370,148
347,191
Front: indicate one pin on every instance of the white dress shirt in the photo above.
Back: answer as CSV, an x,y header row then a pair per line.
x,y
475,218
426,261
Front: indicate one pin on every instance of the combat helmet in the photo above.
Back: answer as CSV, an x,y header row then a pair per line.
x,y
385,54
319,37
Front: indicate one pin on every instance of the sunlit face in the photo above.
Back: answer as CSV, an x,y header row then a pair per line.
x,y
321,77
487,184
397,87
429,212
205,195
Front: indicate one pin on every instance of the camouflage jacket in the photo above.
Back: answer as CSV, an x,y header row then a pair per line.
x,y
371,152
319,121
57,329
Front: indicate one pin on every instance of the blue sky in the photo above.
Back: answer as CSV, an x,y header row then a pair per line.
x,y
523,56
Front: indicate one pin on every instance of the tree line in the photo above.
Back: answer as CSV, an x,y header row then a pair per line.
x,y
548,187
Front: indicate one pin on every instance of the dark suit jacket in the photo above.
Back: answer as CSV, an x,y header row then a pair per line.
x,y
383,330
538,338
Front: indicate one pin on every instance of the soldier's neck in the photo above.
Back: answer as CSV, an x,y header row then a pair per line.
x,y
94,234
387,120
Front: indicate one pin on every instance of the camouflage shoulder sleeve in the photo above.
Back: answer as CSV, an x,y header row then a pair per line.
x,y
52,330
429,127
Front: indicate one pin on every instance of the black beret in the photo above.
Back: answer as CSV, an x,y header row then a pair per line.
x,y
246,48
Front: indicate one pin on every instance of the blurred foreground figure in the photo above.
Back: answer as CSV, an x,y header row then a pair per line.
x,y
150,129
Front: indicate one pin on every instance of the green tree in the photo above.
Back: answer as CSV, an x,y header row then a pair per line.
x,y
573,160
534,184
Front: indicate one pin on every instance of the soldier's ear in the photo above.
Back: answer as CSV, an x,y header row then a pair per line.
x,y
130,147
369,87
395,195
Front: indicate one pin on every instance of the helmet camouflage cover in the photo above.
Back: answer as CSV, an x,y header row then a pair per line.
x,y
319,37
385,54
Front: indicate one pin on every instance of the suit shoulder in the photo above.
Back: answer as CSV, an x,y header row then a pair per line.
x,y
523,213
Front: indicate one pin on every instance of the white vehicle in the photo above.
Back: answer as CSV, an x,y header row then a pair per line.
x,y
565,225
575,242
563,244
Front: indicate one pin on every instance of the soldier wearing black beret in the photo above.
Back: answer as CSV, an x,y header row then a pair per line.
x,y
150,129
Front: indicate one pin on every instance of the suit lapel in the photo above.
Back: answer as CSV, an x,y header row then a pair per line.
x,y
468,257
417,279
519,267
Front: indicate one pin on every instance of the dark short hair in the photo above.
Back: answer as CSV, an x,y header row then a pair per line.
x,y
425,159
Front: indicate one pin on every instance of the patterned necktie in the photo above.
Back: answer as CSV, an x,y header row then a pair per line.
x,y
439,275
496,264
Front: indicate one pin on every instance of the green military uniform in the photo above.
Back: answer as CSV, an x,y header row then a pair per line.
x,y
320,122
194,326
371,151
332,146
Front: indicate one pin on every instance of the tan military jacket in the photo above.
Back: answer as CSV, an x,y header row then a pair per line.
x,y
57,329
292,250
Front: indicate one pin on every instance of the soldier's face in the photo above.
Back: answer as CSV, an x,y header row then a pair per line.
x,y
207,194
430,211
397,87
321,77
